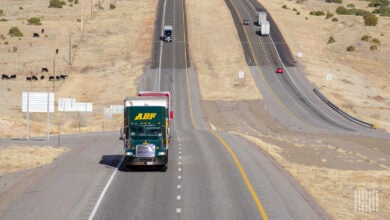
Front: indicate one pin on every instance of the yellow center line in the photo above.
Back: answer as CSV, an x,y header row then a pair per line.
x,y
186,67
243,174
262,75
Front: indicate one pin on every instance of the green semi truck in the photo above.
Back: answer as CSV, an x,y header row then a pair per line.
x,y
145,132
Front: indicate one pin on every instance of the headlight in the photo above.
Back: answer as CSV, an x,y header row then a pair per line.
x,y
161,153
128,153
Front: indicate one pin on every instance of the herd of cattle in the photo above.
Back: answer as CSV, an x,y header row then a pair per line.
x,y
34,77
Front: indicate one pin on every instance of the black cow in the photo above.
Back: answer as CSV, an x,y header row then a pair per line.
x,y
51,78
35,35
4,77
13,76
57,77
63,77
42,77
57,51
28,78
44,69
43,31
35,78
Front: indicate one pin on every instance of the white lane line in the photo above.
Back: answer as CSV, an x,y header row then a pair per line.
x,y
99,201
179,177
179,169
178,197
179,163
180,157
178,210
161,46
179,186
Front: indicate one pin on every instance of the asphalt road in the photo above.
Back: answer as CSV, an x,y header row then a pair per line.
x,y
211,174
290,95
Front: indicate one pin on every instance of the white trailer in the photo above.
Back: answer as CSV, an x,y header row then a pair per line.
x,y
262,17
265,28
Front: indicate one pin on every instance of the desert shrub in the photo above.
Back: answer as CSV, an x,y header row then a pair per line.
x,y
56,3
374,47
15,32
284,6
14,49
350,5
34,21
20,8
350,48
70,0
366,38
298,13
112,6
379,3
370,20
329,15
359,12
382,11
70,5
331,40
294,9
334,1
1,12
335,19
317,13
3,19
342,11
76,2
376,41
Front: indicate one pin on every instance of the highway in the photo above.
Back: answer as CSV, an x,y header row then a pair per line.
x,y
211,174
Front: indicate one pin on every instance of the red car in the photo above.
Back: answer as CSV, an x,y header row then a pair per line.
x,y
279,70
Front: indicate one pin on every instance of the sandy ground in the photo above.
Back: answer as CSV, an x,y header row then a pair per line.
x,y
105,63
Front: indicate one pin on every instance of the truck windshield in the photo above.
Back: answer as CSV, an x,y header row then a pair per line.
x,y
145,130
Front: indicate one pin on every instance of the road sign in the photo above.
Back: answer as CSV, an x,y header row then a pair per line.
x,y
37,102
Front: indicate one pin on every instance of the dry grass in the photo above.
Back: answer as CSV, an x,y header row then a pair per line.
x,y
218,59
354,75
15,158
334,189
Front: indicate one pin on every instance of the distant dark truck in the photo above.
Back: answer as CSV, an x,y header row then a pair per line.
x,y
168,34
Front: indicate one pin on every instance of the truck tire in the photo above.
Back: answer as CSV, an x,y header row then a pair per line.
x,y
164,168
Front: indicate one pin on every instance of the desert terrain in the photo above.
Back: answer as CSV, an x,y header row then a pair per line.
x,y
111,50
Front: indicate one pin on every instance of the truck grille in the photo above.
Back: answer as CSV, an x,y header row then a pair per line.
x,y
147,150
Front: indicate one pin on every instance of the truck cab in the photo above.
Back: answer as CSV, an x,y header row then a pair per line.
x,y
145,132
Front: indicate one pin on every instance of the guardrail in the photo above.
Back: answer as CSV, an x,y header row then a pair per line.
x,y
346,115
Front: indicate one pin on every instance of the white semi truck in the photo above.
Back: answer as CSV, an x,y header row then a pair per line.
x,y
168,34
262,15
265,28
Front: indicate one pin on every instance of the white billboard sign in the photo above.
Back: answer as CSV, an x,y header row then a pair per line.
x,y
117,109
70,105
107,112
37,102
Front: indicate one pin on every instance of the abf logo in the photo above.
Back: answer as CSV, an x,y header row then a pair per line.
x,y
145,116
